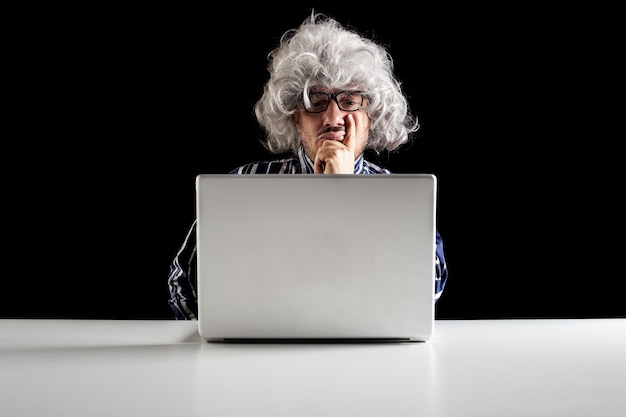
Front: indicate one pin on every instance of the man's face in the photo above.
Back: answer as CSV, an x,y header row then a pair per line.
x,y
333,124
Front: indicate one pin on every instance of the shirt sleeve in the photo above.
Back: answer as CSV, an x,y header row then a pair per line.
x,y
182,279
441,268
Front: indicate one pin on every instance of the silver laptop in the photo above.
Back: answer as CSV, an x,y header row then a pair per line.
x,y
316,257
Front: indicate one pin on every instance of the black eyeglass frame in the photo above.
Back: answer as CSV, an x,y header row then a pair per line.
x,y
333,96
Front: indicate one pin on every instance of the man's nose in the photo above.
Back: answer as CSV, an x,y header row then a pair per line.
x,y
333,113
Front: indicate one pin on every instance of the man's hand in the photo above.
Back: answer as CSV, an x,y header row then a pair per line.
x,y
335,157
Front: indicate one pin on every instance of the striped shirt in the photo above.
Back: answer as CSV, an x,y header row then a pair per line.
x,y
182,278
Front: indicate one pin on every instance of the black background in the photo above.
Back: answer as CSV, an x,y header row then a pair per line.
x,y
117,110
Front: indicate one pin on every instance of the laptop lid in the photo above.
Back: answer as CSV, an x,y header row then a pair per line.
x,y
316,256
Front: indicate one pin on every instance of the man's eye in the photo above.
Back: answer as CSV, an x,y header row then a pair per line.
x,y
318,99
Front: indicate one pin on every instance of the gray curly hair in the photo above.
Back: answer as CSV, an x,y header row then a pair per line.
x,y
322,53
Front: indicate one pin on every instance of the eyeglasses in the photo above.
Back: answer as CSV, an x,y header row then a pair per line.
x,y
346,100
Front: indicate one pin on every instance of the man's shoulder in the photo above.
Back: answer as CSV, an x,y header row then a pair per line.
x,y
372,168
287,165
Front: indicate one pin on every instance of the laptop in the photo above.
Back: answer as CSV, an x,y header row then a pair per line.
x,y
316,257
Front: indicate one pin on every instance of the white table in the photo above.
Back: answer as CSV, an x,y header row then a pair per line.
x,y
474,368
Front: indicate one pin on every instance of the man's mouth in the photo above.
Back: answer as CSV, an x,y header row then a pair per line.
x,y
338,136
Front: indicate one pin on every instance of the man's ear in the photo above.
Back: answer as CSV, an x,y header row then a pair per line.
x,y
295,118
